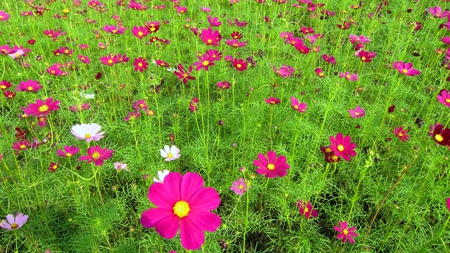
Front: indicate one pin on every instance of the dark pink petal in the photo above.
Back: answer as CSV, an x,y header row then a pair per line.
x,y
192,237
262,170
205,220
190,185
448,204
205,200
408,65
98,162
173,186
271,156
165,222
262,161
158,194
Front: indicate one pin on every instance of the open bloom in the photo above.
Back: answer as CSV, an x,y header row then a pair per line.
x,y
348,76
184,75
301,107
342,146
121,166
306,209
14,223
272,166
87,132
182,204
239,186
29,86
440,134
42,108
170,153
401,133
358,112
210,36
97,155
284,71
405,68
68,151
444,98
345,233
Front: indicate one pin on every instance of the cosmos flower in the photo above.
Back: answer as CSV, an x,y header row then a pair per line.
x,y
345,233
121,166
68,151
342,146
284,71
170,153
182,203
87,132
204,62
96,155
213,21
301,107
140,31
440,134
437,12
405,68
358,112
306,209
272,166
348,76
184,75
4,16
29,86
161,176
42,108
140,64
239,187
401,133
210,36
14,223
240,64
444,98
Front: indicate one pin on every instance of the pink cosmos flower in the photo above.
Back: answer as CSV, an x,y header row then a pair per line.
x,y
438,13
182,203
405,68
87,132
271,166
140,64
348,76
12,222
215,55
446,40
235,43
444,98
239,187
301,107
306,209
113,29
342,146
223,85
329,59
29,86
345,233
204,62
140,31
42,108
358,112
284,71
84,59
181,9
366,56
5,85
272,101
96,155
140,104
20,145
184,75
401,133
448,203
132,116
211,37
121,166
4,16
68,151
240,64
108,60
319,72
440,134
213,21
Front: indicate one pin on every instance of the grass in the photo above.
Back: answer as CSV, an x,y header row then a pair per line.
x,y
392,191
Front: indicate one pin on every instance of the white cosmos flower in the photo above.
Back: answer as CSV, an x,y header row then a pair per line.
x,y
171,153
87,132
87,96
161,176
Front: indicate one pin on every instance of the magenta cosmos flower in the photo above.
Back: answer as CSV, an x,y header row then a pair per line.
x,y
68,151
358,112
14,223
306,209
405,68
42,108
301,107
345,233
271,166
97,155
401,133
182,204
444,98
29,86
342,146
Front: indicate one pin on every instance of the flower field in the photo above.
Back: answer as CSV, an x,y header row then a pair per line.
x,y
224,126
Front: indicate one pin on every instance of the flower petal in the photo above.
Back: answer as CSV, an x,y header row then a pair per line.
x,y
192,237
205,200
164,221
190,185
205,220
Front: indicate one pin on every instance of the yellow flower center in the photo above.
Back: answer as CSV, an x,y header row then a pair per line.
x,y
447,100
400,134
152,29
43,108
30,88
185,75
438,137
334,158
270,166
356,113
96,155
22,146
345,232
241,187
295,107
340,148
181,209
363,58
209,41
87,136
140,34
140,64
306,209
110,61
3,87
14,225
169,155
348,76
405,71
68,154
238,65
205,63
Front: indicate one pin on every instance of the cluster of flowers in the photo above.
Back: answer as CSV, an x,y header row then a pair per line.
x,y
137,106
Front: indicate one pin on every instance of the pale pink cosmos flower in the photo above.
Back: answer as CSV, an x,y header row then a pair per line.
x,y
121,166
170,153
239,187
405,68
358,112
87,132
14,223
284,71
438,13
